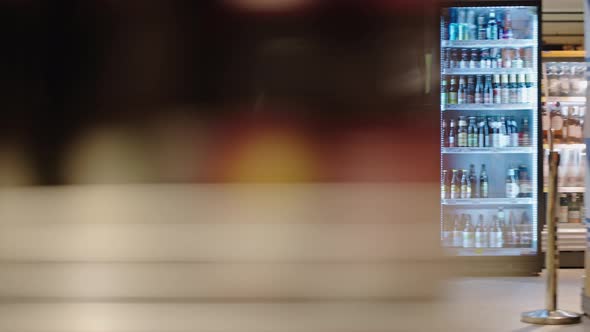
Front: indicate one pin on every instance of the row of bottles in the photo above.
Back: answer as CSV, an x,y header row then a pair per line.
x,y
464,183
460,231
483,24
487,89
485,131
567,121
566,79
487,58
571,208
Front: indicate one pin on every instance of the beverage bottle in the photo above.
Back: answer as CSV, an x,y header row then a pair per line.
x,y
563,208
517,61
530,91
462,132
457,233
451,136
480,234
573,211
443,92
526,231
472,181
504,135
507,25
513,132
465,186
488,92
505,229
512,188
564,80
447,231
492,28
483,182
470,89
513,92
513,234
474,60
462,92
444,188
481,27
472,133
523,137
454,60
507,58
521,90
453,91
484,59
497,92
487,132
553,81
557,122
471,26
524,182
572,126
495,236
464,62
455,191
481,132
495,132
504,89
468,233
444,132
478,90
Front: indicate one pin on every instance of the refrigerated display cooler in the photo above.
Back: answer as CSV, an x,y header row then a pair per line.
x,y
491,174
564,106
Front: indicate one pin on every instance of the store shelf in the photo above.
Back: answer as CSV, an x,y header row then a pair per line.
x,y
563,146
564,99
491,251
487,107
489,43
569,189
519,149
488,201
570,237
486,71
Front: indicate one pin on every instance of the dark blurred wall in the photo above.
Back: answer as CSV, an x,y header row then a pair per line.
x,y
348,77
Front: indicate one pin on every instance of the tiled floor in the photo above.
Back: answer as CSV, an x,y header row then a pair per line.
x,y
477,304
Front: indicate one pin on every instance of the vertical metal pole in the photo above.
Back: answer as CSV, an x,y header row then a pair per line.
x,y
551,315
552,254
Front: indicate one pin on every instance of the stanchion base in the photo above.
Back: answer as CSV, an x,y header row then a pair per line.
x,y
546,317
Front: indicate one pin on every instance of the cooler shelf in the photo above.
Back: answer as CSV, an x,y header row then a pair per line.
x,y
519,149
487,107
489,43
488,201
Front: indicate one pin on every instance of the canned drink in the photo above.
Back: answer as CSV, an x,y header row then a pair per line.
x,y
446,63
462,32
454,31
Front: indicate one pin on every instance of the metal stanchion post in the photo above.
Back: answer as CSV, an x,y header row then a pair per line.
x,y
551,315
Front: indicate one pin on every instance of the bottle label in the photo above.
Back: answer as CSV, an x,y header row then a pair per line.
x,y
443,192
505,96
480,239
454,192
512,190
465,191
452,98
483,189
573,216
457,239
468,239
451,141
443,98
478,98
563,214
462,139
